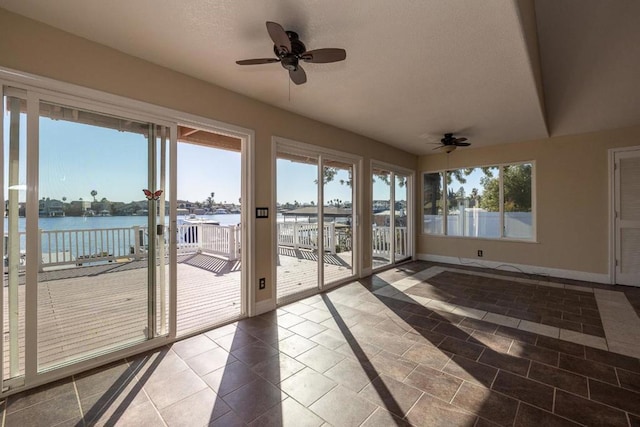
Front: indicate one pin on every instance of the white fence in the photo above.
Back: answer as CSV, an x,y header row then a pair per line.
x,y
475,223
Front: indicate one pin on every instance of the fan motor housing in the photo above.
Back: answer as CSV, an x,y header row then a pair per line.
x,y
289,60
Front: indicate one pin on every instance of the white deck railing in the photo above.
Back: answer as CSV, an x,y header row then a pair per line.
x,y
381,242
78,247
220,240
300,235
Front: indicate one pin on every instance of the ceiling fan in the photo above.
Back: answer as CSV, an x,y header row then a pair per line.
x,y
450,143
290,51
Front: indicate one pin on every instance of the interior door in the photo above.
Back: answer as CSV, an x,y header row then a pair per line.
x,y
627,221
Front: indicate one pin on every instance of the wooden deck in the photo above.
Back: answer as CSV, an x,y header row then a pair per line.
x,y
89,310
297,271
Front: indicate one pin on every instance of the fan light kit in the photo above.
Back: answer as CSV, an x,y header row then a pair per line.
x,y
450,143
290,50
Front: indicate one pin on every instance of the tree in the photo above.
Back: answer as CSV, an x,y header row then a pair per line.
x,y
432,193
94,193
330,174
517,190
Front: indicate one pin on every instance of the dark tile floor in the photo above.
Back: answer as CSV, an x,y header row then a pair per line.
x,y
352,357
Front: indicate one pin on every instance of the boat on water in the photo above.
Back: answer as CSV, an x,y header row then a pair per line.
x,y
194,220
220,211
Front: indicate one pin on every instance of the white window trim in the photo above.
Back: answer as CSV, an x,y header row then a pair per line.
x,y
43,88
500,166
285,145
411,178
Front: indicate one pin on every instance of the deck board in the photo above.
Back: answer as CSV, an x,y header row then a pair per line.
x,y
87,310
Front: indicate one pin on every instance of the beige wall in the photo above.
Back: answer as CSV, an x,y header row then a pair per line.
x,y
572,191
572,174
29,46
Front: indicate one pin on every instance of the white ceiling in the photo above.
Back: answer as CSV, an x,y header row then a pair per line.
x,y
495,71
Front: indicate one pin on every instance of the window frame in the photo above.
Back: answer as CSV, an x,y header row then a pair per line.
x,y
501,167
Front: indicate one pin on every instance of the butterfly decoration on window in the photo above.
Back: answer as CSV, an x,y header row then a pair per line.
x,y
152,196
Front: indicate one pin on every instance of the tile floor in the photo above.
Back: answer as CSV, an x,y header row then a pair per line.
x,y
420,344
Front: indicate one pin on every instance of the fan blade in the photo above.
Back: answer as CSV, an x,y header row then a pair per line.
x,y
257,61
462,144
279,36
298,76
323,56
460,139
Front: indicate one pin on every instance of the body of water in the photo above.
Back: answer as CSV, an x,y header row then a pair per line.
x,y
96,222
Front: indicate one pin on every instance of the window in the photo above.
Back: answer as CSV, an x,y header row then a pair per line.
x,y
485,202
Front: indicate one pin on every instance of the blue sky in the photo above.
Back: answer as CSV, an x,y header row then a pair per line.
x,y
77,158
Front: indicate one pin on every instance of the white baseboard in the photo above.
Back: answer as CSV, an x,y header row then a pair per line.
x,y
264,306
529,269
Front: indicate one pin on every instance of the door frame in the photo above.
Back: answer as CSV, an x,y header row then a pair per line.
x,y
410,174
320,153
102,102
613,200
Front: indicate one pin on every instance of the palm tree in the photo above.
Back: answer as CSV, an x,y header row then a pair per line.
x,y
94,193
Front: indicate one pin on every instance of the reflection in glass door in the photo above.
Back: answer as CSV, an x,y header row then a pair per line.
x,y
101,256
391,213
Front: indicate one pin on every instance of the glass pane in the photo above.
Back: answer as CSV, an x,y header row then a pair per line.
x,y
14,242
518,219
297,225
338,221
433,211
400,218
381,230
94,234
473,196
161,288
209,252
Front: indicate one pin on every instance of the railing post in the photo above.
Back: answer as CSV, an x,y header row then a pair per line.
x,y
237,232
231,251
40,251
295,235
136,242
332,238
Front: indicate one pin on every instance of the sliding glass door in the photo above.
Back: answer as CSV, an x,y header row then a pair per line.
x,y
86,243
297,226
315,246
391,235
339,221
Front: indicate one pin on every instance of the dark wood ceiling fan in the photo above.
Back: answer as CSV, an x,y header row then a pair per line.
x,y
290,50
